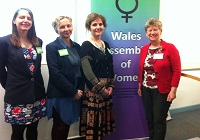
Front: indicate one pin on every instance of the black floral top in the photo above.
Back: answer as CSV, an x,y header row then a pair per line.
x,y
30,55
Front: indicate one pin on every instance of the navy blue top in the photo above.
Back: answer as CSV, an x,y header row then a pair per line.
x,y
21,85
64,81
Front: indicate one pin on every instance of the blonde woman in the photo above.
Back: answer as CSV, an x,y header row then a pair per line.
x,y
65,84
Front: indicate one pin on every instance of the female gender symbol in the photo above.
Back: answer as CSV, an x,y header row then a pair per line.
x,y
128,12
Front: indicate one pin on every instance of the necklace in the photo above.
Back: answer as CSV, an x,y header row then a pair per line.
x,y
100,46
25,45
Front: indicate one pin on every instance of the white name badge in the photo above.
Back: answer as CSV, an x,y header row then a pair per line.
x,y
158,56
63,52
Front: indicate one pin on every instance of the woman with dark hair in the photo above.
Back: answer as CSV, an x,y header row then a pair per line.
x,y
97,63
20,76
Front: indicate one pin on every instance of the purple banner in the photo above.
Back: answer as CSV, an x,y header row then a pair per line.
x,y
125,34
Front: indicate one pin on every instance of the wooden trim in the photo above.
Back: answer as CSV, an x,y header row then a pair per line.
x,y
190,76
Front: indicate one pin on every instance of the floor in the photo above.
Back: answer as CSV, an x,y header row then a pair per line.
x,y
184,126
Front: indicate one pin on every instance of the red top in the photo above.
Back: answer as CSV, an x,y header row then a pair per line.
x,y
167,69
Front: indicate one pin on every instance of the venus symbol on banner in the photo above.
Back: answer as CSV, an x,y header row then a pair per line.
x,y
128,12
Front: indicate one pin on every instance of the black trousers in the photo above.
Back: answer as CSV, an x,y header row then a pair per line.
x,y
156,108
60,129
18,131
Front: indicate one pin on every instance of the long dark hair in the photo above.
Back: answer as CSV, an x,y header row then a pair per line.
x,y
15,39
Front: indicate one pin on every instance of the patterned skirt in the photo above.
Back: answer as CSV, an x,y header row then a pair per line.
x,y
96,118
26,113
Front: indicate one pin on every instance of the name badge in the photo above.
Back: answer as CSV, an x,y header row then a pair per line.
x,y
39,50
158,56
63,52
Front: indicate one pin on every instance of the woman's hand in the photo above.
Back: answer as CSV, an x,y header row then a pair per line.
x,y
78,95
171,96
110,90
139,92
105,92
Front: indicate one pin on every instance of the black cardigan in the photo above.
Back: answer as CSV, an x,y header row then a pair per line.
x,y
101,64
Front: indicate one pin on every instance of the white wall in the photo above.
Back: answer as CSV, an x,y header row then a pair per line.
x,y
181,22
188,92
181,27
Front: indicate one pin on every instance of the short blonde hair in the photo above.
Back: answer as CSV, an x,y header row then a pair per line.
x,y
57,20
153,22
